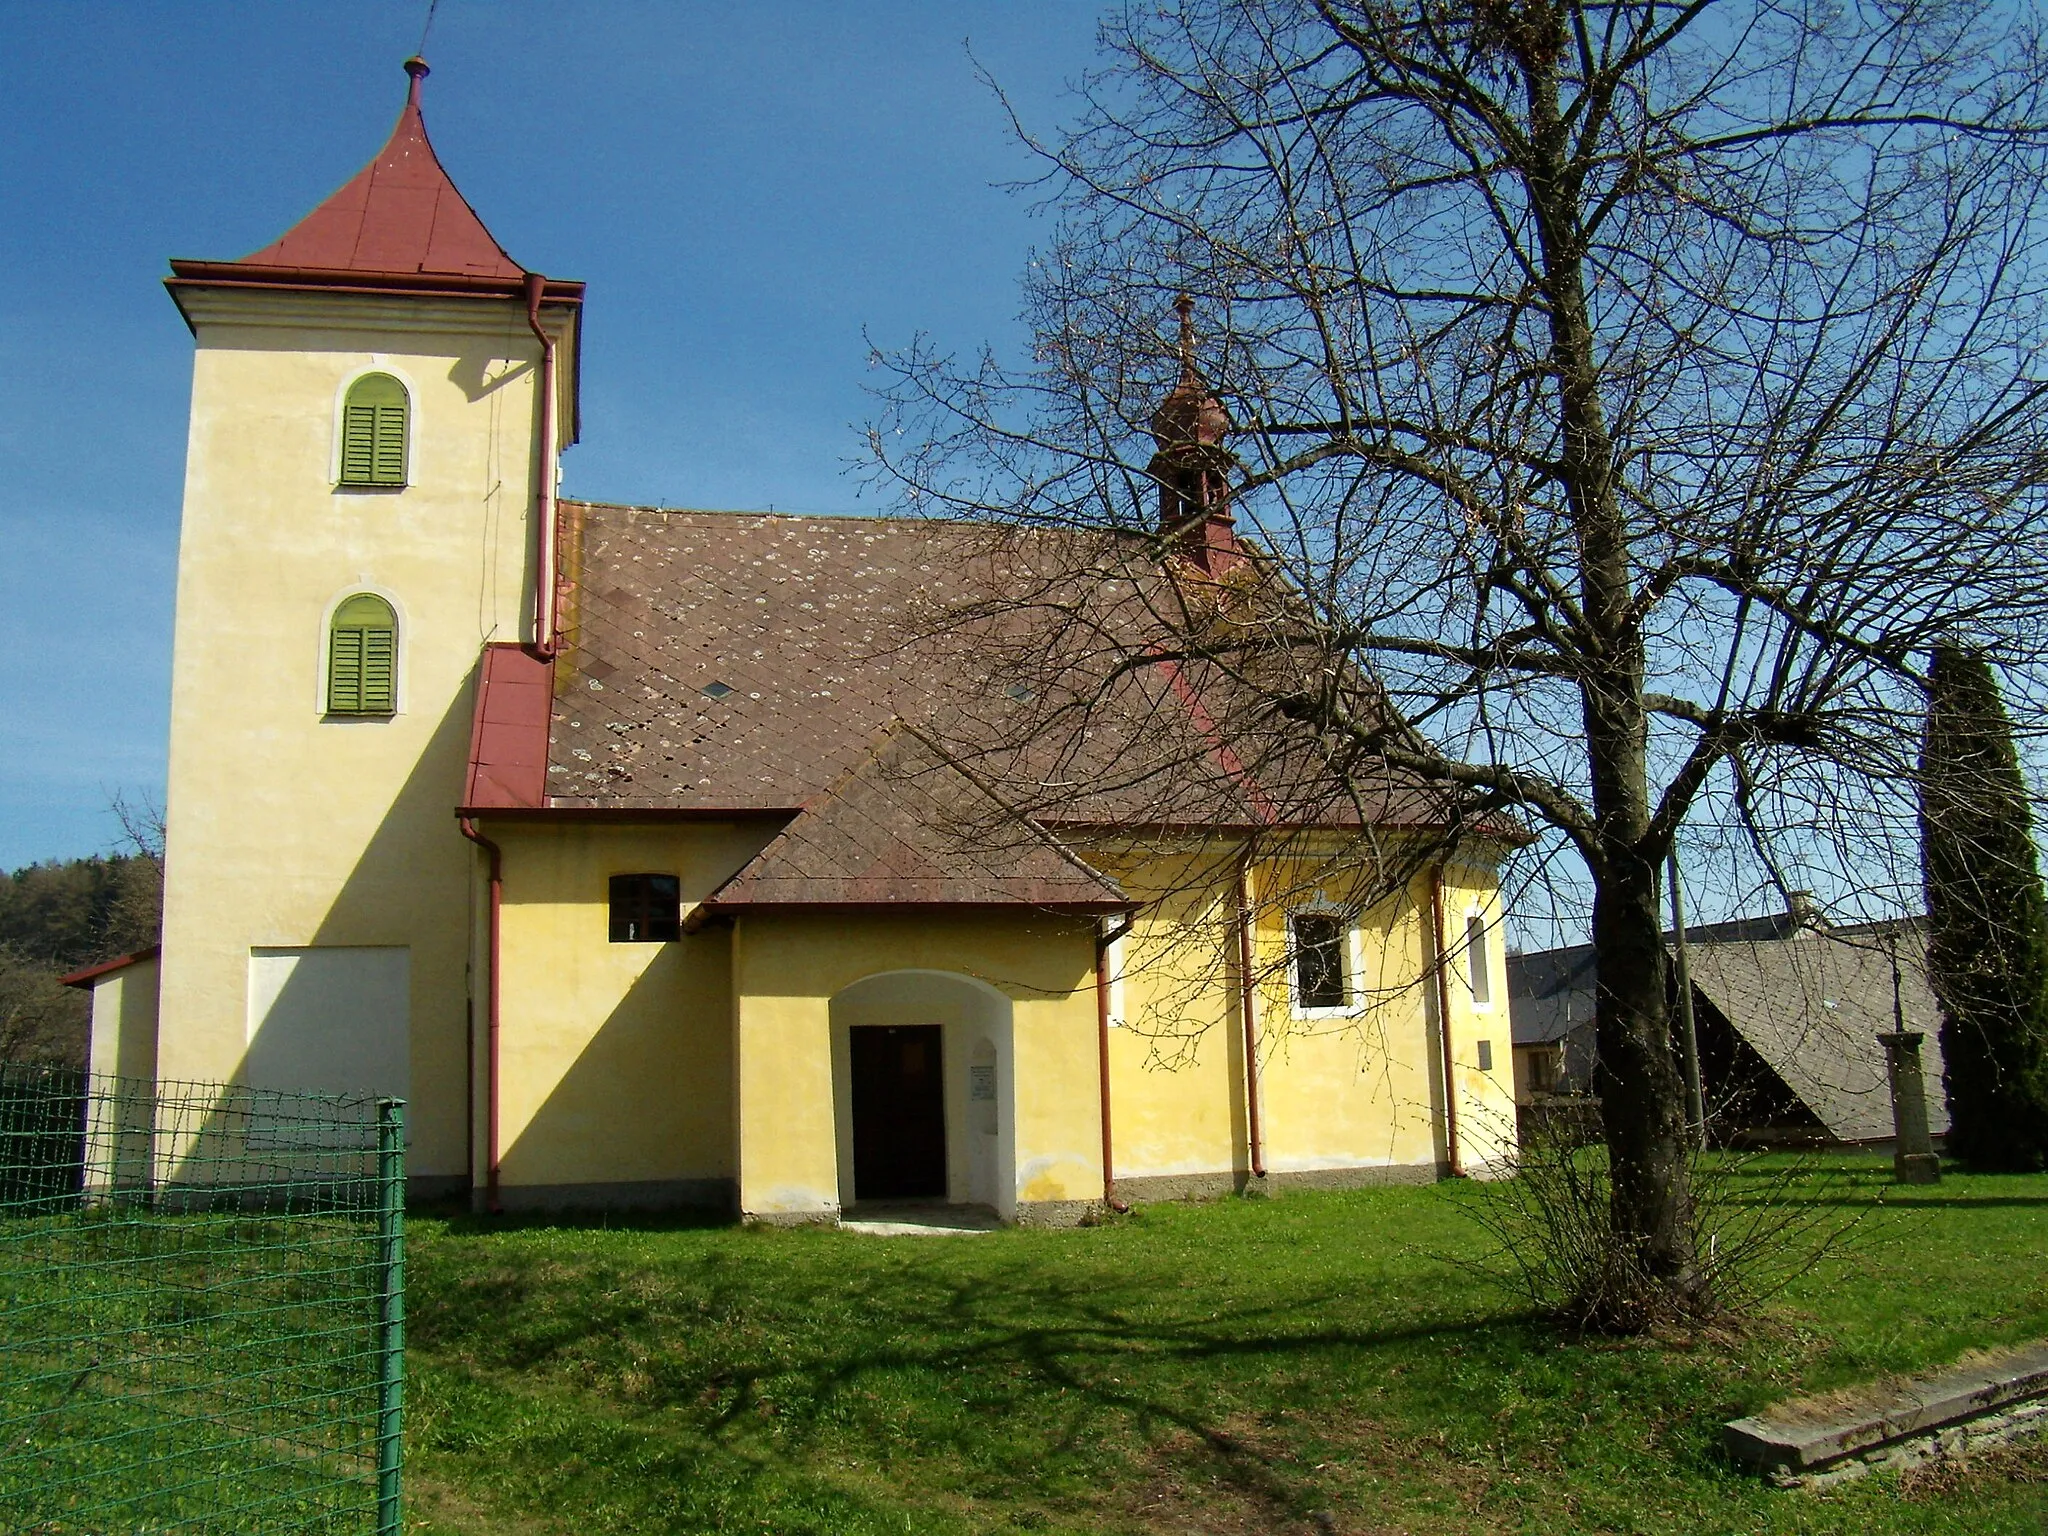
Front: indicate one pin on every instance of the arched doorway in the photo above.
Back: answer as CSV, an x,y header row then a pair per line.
x,y
921,1091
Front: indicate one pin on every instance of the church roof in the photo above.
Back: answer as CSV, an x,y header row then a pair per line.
x,y
908,827
732,662
875,682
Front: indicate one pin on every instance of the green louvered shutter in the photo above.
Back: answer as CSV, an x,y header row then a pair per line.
x,y
380,687
373,431
362,658
345,672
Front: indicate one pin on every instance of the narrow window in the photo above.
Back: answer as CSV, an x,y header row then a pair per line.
x,y
373,431
362,658
1486,1055
1318,960
1478,974
646,909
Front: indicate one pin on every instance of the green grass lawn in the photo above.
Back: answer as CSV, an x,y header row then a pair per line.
x,y
1309,1364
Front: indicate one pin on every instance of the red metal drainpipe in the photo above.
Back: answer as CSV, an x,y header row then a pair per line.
x,y
546,616
1443,1020
497,868
1103,939
1248,1007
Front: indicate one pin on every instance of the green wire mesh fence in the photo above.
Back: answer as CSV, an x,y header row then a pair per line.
x,y
201,1308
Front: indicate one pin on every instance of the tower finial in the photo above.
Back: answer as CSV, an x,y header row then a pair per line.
x,y
417,68
1186,305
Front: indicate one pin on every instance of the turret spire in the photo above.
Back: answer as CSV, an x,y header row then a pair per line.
x,y
1192,467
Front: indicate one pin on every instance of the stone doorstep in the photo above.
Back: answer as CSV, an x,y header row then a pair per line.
x,y
1946,1412
917,1219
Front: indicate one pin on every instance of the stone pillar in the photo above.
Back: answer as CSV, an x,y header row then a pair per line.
x,y
1913,1159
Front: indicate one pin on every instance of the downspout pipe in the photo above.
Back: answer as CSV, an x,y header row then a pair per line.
x,y
1441,964
1104,938
1247,999
546,606
491,951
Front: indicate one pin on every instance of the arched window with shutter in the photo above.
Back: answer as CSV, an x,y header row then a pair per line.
x,y
362,658
375,422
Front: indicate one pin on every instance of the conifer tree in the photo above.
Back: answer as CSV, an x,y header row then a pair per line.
x,y
1987,949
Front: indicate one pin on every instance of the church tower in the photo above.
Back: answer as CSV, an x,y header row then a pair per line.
x,y
378,402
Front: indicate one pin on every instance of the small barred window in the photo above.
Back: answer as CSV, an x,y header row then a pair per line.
x,y
646,909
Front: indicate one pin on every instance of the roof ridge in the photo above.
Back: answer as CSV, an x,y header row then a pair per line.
x,y
907,519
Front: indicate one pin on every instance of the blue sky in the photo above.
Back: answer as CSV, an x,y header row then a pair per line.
x,y
746,189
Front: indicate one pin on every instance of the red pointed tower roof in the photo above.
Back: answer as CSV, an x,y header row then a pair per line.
x,y
400,214
398,225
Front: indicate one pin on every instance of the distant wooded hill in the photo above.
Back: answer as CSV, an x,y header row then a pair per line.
x,y
56,918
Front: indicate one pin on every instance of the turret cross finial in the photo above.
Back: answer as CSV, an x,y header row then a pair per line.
x,y
1186,305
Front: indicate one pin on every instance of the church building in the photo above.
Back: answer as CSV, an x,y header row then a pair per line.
x,y
672,858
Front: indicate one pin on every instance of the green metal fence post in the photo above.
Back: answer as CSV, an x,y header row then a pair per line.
x,y
391,1311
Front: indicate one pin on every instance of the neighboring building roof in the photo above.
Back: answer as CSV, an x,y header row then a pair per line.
x,y
718,660
907,827
1812,1005
1810,1001
92,973
1550,994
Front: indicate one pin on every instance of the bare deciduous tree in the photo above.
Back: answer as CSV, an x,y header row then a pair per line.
x,y
1632,391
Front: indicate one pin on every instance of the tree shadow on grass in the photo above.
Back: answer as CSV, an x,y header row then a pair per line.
x,y
1004,1374
1927,1203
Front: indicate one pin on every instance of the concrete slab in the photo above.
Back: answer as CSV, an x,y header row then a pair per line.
x,y
1794,1441
918,1221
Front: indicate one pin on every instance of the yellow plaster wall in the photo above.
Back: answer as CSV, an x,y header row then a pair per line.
x,y
118,1140
788,966
286,829
616,1062
1359,1088
124,1012
1176,1054
1486,1100
1352,1091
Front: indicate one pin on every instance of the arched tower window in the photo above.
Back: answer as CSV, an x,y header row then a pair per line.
x,y
374,423
362,658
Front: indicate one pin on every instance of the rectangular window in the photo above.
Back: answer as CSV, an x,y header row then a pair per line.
x,y
1486,1055
1478,973
1318,960
646,909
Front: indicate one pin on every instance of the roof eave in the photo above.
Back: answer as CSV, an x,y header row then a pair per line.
x,y
1102,908
86,978
187,273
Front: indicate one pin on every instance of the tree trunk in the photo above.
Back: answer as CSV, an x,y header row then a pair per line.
x,y
1639,1084
1641,1091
